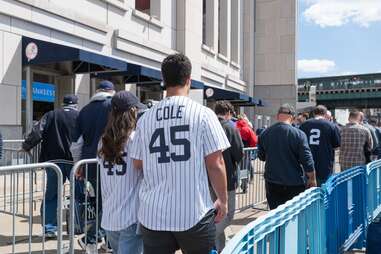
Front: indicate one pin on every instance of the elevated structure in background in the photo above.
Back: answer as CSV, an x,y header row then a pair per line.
x,y
361,91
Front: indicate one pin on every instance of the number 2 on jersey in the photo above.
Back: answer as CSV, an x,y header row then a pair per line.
x,y
163,148
315,137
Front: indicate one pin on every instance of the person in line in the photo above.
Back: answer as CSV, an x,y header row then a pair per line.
x,y
54,131
288,159
119,180
300,119
356,142
247,134
328,116
364,122
90,126
377,151
323,138
232,157
178,144
260,130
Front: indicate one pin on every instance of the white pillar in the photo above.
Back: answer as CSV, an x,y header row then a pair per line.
x,y
29,100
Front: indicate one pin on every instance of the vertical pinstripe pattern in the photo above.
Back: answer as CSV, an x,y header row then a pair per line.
x,y
174,195
120,193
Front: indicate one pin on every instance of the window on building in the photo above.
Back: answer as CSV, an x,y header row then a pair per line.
x,y
235,39
223,27
150,7
208,23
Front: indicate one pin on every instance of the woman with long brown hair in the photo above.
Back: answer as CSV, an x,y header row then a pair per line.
x,y
119,180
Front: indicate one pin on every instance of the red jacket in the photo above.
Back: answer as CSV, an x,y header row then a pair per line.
x,y
247,134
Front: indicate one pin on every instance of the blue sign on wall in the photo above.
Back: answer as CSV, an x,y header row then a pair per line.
x,y
41,91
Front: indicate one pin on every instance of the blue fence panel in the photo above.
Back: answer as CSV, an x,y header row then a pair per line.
x,y
373,171
331,219
345,210
295,227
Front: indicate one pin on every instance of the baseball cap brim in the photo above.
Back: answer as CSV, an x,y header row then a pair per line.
x,y
140,105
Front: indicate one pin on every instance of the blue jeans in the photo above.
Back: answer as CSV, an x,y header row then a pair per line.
x,y
125,240
50,210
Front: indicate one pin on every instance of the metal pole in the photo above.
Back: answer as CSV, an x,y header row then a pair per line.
x,y
29,100
92,85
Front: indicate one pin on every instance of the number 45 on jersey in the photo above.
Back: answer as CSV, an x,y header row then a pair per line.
x,y
163,148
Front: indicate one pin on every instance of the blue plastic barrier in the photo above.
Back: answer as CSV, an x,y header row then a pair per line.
x,y
373,171
295,227
345,201
331,219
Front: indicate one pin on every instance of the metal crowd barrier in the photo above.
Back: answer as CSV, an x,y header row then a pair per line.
x,y
29,170
21,182
85,209
251,184
13,154
294,227
345,195
373,171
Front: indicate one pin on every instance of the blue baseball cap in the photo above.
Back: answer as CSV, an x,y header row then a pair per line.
x,y
70,99
124,100
106,85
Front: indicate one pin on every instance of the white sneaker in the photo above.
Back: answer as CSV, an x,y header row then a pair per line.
x,y
92,248
105,247
50,235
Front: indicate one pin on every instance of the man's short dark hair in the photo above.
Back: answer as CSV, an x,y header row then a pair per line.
x,y
223,107
320,110
354,114
176,69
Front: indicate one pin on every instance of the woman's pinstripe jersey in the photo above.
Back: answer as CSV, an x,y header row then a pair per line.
x,y
120,187
172,139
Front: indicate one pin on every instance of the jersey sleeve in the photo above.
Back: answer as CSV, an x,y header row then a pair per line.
x,y
136,143
213,135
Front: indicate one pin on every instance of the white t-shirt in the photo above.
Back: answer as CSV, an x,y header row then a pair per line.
x,y
120,187
172,139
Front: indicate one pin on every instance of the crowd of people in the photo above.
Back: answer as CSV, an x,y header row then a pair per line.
x,y
167,176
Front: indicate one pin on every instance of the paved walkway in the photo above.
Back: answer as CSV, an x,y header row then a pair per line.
x,y
22,227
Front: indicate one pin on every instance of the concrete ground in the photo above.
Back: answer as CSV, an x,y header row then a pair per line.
x,y
22,239
255,194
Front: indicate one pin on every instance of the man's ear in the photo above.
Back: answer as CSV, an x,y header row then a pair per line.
x,y
189,81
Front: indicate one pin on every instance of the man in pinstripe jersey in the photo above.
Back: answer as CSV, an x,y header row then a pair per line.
x,y
178,144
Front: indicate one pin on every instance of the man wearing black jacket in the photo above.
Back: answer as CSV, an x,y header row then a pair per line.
x,y
232,156
55,132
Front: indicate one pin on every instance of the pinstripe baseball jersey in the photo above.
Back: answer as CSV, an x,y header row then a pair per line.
x,y
120,186
172,139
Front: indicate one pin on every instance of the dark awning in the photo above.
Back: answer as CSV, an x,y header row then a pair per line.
x,y
37,52
141,75
237,98
133,74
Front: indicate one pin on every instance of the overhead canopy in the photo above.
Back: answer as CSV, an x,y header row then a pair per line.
x,y
133,74
37,52
142,75
237,98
